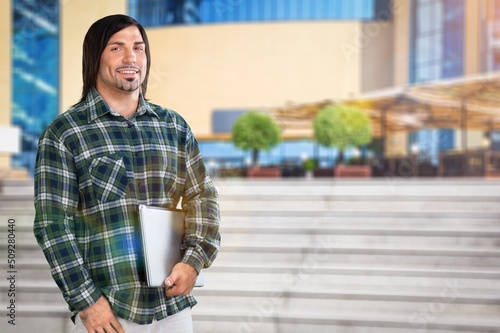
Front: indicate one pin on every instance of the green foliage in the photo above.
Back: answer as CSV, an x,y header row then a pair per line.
x,y
310,164
255,131
341,127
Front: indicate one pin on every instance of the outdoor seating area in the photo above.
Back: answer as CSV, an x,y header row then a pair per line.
x,y
460,106
473,163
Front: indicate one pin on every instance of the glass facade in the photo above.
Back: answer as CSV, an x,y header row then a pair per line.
x,y
491,36
437,53
223,154
153,13
491,49
35,66
438,40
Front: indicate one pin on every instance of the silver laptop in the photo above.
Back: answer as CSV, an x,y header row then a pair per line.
x,y
162,233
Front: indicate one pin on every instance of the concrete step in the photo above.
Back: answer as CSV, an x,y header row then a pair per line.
x,y
17,187
234,220
37,266
372,188
329,214
328,255
344,303
40,319
342,205
347,258
304,226
450,302
55,318
303,280
236,321
303,237
354,238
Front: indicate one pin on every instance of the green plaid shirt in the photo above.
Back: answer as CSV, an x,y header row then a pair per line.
x,y
94,167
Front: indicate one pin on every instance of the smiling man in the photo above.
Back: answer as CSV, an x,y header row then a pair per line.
x,y
96,164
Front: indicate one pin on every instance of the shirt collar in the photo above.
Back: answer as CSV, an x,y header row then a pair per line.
x,y
97,107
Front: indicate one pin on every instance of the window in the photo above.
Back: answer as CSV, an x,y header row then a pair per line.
x,y
172,12
437,53
437,43
35,57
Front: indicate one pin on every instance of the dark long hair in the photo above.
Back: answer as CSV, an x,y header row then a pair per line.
x,y
95,42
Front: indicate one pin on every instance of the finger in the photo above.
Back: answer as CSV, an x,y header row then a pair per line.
x,y
118,328
171,291
178,289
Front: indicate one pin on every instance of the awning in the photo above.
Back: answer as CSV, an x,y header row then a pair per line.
x,y
466,103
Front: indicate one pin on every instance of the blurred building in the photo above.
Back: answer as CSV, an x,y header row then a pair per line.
x,y
215,59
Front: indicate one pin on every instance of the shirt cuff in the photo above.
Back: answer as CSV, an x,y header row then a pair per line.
x,y
82,297
193,258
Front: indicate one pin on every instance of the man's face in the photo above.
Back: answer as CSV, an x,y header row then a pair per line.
x,y
123,61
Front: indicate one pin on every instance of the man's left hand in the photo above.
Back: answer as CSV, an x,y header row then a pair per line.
x,y
181,280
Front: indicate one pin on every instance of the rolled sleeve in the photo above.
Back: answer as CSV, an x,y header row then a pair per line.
x,y
202,239
56,201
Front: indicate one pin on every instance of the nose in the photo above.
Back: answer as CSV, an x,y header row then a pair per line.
x,y
129,57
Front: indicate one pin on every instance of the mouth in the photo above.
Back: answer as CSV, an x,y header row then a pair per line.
x,y
128,72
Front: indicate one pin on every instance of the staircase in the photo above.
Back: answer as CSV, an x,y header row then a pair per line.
x,y
315,256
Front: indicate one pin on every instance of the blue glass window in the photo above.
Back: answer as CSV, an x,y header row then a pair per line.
x,y
438,40
437,53
171,12
35,57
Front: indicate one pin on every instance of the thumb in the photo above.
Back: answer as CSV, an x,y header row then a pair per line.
x,y
169,282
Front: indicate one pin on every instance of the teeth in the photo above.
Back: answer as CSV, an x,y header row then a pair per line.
x,y
128,72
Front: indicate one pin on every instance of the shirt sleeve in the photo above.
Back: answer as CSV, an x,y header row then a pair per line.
x,y
56,202
202,239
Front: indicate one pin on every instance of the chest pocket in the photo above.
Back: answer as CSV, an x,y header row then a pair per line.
x,y
109,177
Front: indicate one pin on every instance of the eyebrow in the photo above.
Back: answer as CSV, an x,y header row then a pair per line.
x,y
122,43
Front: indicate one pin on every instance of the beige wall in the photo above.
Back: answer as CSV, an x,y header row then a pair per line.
x,y
76,18
198,68
5,74
377,66
402,19
472,46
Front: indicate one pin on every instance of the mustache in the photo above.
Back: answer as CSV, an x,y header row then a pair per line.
x,y
129,67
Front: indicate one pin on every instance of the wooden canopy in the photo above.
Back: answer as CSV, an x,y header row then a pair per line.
x,y
466,103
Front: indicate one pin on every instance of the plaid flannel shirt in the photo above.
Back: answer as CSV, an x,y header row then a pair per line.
x,y
94,167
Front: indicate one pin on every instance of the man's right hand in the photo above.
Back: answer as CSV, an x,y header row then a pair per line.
x,y
99,318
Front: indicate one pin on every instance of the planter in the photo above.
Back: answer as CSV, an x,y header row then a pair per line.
x,y
353,171
258,172
324,172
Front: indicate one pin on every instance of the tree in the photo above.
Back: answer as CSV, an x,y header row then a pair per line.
x,y
255,131
342,127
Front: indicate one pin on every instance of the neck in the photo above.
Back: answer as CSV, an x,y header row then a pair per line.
x,y
124,103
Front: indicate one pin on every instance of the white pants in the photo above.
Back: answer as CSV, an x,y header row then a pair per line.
x,y
181,322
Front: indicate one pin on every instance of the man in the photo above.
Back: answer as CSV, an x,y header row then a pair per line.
x,y
96,163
